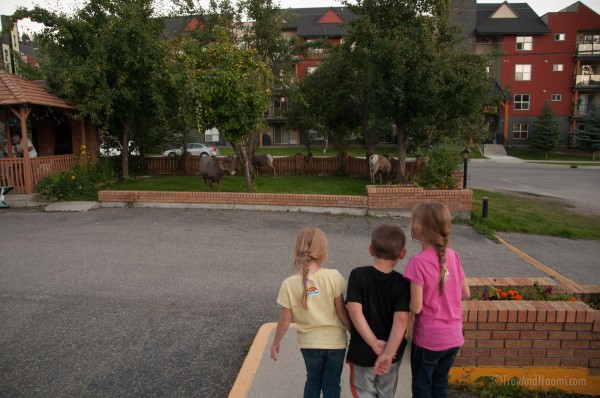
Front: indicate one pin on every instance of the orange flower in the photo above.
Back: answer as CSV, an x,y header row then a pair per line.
x,y
572,299
517,297
503,294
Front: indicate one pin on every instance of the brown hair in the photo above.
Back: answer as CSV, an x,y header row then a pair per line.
x,y
432,224
388,241
311,245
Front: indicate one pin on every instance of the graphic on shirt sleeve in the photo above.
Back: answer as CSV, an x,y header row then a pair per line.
x,y
312,292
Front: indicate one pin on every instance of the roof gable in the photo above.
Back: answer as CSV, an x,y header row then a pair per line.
x,y
526,23
330,17
504,11
15,90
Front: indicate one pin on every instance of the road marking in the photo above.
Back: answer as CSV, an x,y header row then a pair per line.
x,y
244,379
569,283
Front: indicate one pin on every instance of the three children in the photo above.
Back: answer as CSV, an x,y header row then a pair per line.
x,y
378,303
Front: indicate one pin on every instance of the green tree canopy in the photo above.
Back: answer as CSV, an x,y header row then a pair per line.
x,y
546,132
588,135
106,59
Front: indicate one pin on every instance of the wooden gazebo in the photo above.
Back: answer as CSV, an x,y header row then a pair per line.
x,y
52,126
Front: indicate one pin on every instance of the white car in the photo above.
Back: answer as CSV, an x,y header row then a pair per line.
x,y
116,151
194,148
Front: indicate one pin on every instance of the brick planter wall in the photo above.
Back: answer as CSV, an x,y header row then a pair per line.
x,y
379,200
544,344
383,199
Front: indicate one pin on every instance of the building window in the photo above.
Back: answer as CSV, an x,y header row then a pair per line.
x,y
521,102
556,97
310,70
522,72
485,40
524,43
559,37
489,70
557,67
520,131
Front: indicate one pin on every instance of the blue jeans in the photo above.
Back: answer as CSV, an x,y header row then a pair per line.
x,y
323,372
430,371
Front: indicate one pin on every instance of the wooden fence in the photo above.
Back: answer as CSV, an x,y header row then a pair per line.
x,y
12,170
284,165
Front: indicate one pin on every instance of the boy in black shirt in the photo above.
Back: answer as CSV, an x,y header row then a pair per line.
x,y
377,300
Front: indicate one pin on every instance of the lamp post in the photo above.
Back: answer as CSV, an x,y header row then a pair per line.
x,y
466,154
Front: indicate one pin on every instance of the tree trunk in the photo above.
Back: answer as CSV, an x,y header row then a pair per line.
x,y
247,165
125,152
401,141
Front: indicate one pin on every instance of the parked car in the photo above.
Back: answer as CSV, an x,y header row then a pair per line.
x,y
116,150
194,148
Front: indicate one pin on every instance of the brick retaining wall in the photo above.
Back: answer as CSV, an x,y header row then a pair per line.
x,y
378,199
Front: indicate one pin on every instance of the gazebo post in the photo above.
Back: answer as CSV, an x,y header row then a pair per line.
x,y
24,110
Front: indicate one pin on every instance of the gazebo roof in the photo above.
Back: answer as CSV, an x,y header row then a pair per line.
x,y
15,91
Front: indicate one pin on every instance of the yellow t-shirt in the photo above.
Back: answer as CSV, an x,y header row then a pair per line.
x,y
319,326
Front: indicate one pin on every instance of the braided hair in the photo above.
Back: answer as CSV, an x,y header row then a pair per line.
x,y
311,245
432,224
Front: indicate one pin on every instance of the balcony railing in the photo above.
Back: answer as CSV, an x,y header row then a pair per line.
x,y
588,49
587,80
583,109
275,113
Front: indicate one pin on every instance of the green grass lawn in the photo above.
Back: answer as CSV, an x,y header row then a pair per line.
x,y
519,213
530,154
326,185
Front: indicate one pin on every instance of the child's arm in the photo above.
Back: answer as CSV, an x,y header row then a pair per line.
x,y
342,311
363,328
416,298
285,318
466,291
382,365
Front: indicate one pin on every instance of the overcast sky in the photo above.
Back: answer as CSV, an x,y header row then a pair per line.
x,y
541,7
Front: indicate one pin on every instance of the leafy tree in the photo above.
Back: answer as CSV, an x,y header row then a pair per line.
x,y
420,78
232,92
546,133
106,59
589,135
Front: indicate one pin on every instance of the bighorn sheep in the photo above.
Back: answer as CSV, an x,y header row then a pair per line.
x,y
263,160
212,169
379,166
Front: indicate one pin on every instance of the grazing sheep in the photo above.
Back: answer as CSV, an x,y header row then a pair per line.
x,y
212,169
263,160
379,166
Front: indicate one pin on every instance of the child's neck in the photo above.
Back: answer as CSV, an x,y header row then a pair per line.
x,y
313,267
385,266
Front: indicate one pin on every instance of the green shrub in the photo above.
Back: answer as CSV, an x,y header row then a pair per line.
x,y
441,161
78,183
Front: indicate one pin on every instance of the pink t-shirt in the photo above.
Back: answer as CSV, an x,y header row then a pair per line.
x,y
439,325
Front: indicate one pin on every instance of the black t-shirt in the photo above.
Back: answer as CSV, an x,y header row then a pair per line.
x,y
380,295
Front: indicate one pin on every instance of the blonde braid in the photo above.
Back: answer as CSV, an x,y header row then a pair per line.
x,y
441,252
305,283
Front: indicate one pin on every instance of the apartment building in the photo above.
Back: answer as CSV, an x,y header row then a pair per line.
x,y
550,59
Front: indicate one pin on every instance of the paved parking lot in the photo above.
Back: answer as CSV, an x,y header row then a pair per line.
x,y
162,302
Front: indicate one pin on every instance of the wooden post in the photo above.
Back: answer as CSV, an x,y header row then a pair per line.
x,y
27,172
82,124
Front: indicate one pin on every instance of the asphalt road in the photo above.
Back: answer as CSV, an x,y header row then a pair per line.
x,y
580,186
162,302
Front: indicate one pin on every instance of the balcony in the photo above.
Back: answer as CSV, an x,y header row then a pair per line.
x,y
588,49
583,110
275,114
587,81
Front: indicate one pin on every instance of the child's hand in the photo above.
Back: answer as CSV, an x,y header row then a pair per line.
x,y
274,351
378,347
382,364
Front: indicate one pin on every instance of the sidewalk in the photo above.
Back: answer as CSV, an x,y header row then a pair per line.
x,y
261,377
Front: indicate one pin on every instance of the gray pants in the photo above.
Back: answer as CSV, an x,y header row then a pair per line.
x,y
364,383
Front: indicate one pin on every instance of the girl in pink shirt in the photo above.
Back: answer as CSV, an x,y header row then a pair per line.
x,y
437,281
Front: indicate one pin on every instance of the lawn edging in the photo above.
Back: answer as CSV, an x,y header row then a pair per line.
x,y
380,200
533,344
